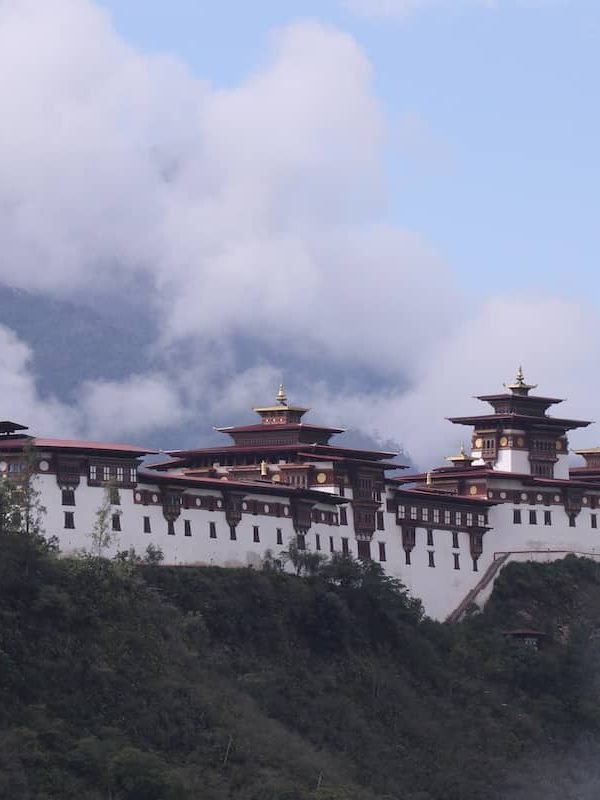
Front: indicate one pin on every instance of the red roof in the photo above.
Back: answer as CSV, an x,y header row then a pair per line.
x,y
323,449
551,422
73,444
264,487
283,426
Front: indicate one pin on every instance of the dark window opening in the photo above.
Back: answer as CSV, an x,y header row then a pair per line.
x,y
115,496
456,561
69,519
331,547
255,533
187,527
475,565
547,518
364,551
380,521
516,516
429,537
170,528
212,530
382,556
68,497
431,556
147,528
343,516
317,541
572,523
345,546
407,557
455,540
232,533
279,536
116,522
594,521
533,517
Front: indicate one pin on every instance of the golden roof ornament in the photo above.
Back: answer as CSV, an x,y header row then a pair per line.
x,y
520,386
264,471
429,479
462,458
281,396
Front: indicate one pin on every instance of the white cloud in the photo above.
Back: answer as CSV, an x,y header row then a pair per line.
x,y
244,215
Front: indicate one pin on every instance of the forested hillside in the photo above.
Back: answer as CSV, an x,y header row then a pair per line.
x,y
135,681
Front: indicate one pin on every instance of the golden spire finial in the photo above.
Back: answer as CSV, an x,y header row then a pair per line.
x,y
281,395
520,386
462,448
429,479
264,470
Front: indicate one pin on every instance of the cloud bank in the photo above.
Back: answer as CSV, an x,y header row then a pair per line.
x,y
245,222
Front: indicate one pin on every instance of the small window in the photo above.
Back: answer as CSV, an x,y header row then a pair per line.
x,y
364,551
456,561
133,475
331,546
382,551
447,518
232,533
533,517
429,537
69,519
68,497
279,536
120,474
516,516
481,520
593,520
475,566
407,557
469,516
425,514
170,528
116,522
431,557
458,518
93,472
413,512
255,533
380,522
343,516
115,496
345,546
106,473
212,530
401,511
572,523
455,540
301,541
547,518
342,490
436,515
147,528
317,541
187,527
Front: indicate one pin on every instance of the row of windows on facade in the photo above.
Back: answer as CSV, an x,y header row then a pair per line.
x,y
431,558
363,547
108,473
436,516
533,518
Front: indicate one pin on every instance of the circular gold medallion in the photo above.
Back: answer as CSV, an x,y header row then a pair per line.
x,y
321,477
503,441
276,478
473,490
478,444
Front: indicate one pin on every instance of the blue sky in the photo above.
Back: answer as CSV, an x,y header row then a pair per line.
x,y
492,112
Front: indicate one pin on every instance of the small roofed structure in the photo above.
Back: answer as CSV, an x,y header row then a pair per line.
x,y
526,636
462,459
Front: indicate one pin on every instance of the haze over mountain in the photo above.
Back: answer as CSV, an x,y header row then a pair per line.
x,y
173,249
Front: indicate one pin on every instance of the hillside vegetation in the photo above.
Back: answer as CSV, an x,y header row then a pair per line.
x,y
127,681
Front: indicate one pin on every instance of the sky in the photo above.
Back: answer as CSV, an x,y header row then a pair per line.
x,y
387,204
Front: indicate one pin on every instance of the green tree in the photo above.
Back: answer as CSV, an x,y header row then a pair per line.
x,y
102,534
